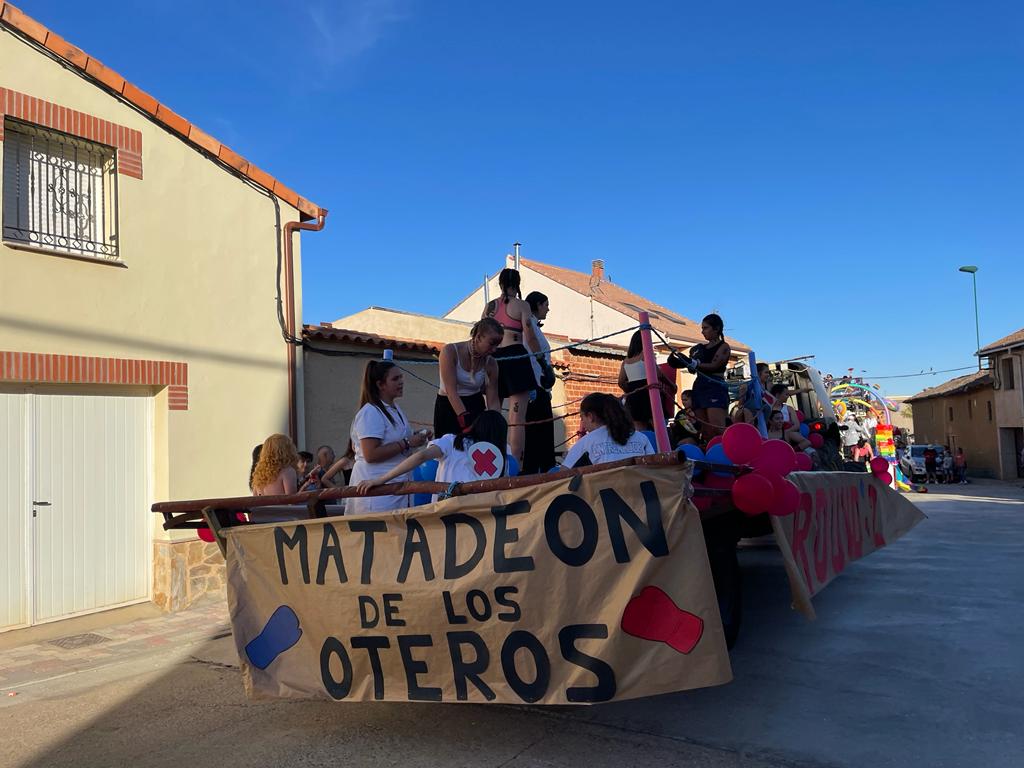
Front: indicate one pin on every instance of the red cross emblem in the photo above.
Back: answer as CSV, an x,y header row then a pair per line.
x,y
487,461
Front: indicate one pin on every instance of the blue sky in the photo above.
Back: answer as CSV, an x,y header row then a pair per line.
x,y
816,172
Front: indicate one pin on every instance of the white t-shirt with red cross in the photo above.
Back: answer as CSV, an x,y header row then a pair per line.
x,y
457,466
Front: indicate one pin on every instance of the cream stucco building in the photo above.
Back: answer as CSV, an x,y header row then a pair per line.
x,y
141,356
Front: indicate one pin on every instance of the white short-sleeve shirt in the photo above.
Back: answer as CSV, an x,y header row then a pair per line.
x,y
603,448
370,421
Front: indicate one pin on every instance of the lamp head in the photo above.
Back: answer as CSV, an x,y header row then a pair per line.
x,y
969,268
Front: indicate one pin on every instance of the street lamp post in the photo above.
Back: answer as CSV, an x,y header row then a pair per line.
x,y
973,272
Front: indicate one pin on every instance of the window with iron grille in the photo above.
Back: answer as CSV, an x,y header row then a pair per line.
x,y
59,192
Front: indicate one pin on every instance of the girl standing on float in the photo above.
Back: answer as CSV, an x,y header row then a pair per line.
x,y
708,361
469,378
515,372
539,452
381,436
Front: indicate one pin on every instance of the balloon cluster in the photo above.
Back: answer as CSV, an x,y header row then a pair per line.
x,y
766,488
880,469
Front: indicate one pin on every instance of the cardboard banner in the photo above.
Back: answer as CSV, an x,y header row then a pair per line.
x,y
842,517
583,590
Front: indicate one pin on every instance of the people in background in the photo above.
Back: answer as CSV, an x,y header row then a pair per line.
x,y
931,457
469,378
324,460
381,435
777,431
685,429
455,464
851,433
275,473
862,453
539,451
515,373
303,469
610,433
633,381
255,459
708,361
947,466
960,462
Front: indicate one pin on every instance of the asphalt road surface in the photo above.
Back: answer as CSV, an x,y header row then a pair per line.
x,y
916,659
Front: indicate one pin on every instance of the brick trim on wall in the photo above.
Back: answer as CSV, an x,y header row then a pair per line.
x,y
41,368
127,141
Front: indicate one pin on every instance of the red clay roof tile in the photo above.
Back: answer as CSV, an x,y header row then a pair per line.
x,y
1015,338
327,332
12,17
956,386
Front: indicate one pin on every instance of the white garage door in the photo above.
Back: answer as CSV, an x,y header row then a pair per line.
x,y
80,519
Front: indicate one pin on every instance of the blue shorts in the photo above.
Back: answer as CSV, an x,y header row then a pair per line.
x,y
710,394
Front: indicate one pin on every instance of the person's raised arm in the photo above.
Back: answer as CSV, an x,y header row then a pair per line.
x,y
446,365
407,465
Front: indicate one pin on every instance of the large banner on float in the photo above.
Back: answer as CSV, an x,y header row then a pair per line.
x,y
842,517
578,591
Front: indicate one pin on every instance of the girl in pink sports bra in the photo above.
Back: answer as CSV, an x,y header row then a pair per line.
x,y
515,371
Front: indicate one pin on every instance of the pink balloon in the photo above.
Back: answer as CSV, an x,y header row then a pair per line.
x,y
206,534
885,477
752,494
879,465
787,499
741,442
799,415
775,457
816,440
713,442
802,463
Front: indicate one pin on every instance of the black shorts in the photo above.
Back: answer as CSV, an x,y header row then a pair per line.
x,y
514,376
710,393
446,420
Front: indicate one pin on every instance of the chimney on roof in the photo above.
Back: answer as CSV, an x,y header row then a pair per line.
x,y
596,272
515,255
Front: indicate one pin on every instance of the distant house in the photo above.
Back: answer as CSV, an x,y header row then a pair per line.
x,y
1006,363
141,356
960,413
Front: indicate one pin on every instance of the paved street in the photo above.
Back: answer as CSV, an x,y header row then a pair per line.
x,y
915,659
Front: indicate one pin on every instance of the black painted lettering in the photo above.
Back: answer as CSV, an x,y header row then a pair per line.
x,y
651,534
605,688
368,528
373,646
478,604
391,610
282,540
453,569
415,544
330,549
528,692
366,621
414,667
336,689
502,598
503,535
469,671
578,555
449,610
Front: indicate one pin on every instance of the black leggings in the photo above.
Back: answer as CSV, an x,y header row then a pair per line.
x,y
539,453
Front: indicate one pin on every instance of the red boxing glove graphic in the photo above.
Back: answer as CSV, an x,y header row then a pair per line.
x,y
652,615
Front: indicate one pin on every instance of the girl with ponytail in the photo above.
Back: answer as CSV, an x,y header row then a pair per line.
x,y
610,435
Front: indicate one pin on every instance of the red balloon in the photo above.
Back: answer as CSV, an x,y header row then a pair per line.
x,y
741,442
885,477
816,440
799,415
879,465
752,494
787,499
206,534
702,503
713,442
775,457
802,462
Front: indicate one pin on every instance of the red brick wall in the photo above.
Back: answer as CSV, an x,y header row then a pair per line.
x,y
127,141
587,372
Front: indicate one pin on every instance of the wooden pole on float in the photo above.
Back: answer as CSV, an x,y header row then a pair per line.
x,y
651,368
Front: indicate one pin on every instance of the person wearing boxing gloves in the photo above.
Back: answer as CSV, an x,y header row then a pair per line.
x,y
708,362
469,379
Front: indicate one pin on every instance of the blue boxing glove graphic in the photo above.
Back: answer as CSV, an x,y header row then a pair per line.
x,y
280,633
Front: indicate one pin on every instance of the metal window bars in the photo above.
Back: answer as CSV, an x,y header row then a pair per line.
x,y
59,192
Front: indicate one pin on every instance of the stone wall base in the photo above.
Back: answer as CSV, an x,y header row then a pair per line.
x,y
185,571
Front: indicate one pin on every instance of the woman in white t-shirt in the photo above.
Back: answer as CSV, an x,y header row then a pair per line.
x,y
455,463
610,435
381,436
